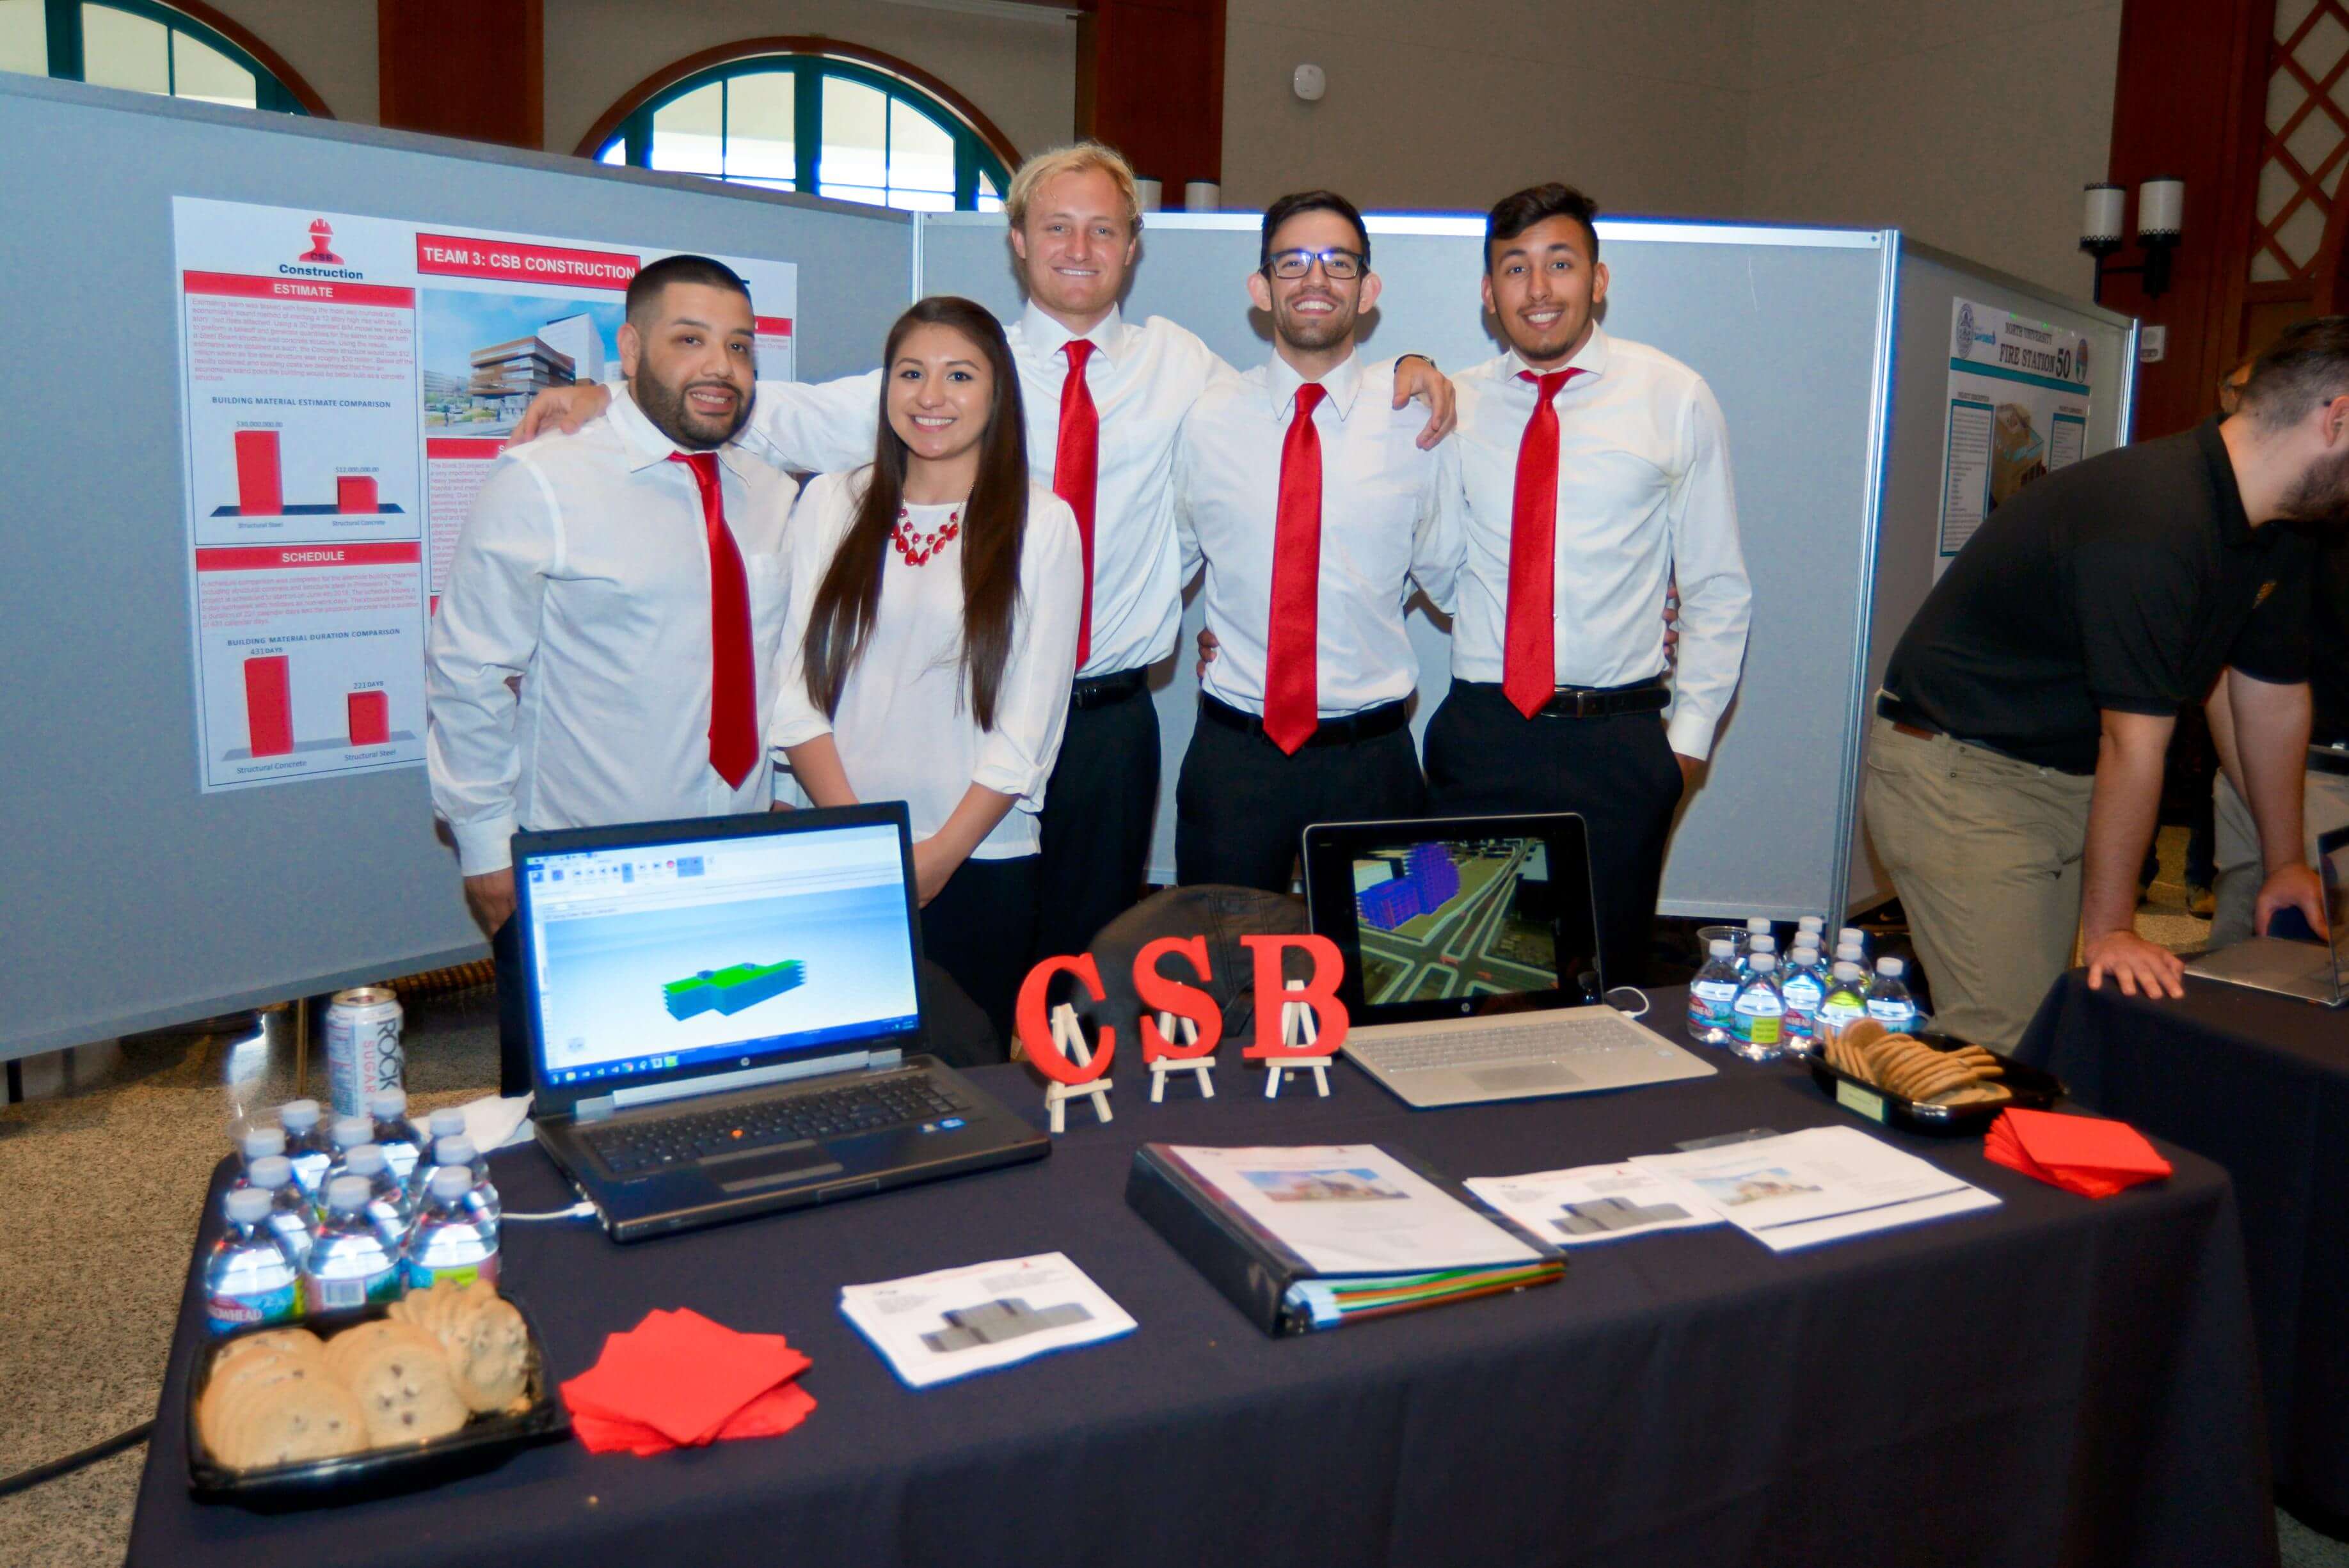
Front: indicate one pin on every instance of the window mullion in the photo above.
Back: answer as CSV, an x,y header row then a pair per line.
x,y
807,124
63,18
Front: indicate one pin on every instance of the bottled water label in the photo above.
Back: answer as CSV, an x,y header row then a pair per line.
x,y
227,1312
421,1277
1760,1021
1716,995
1804,993
1894,1016
1837,1011
357,1290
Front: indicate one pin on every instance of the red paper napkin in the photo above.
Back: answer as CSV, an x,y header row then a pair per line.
x,y
2085,1154
679,1380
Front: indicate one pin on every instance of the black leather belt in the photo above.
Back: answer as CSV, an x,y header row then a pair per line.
x,y
1099,691
1367,725
1904,717
2333,758
1594,702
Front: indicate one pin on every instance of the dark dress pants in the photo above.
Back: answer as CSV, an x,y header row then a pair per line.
x,y
1241,804
1484,758
981,930
1099,806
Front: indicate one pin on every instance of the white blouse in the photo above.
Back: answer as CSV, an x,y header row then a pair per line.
x,y
905,729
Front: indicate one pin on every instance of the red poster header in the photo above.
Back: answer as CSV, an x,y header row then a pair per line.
x,y
278,557
298,291
452,255
463,448
773,326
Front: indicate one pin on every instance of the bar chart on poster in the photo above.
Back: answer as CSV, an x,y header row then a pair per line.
x,y
351,380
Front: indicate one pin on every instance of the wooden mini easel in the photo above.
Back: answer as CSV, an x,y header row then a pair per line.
x,y
1202,1068
1070,1036
1297,1028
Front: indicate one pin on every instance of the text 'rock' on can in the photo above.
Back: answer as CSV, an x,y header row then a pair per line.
x,y
363,1049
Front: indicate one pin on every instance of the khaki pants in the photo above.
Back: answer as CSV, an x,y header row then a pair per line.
x,y
2325,806
1984,851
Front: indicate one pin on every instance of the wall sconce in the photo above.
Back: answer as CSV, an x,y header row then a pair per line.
x,y
2160,208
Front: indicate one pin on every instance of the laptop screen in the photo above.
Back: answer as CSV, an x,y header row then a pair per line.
x,y
1454,917
733,952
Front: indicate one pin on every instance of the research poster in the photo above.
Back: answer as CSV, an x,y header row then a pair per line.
x,y
348,382
2018,410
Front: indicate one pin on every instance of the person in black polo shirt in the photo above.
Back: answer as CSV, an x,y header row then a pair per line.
x,y
2014,768
2325,801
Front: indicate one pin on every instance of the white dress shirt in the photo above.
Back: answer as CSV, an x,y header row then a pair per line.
x,y
1643,490
1382,528
904,728
585,570
1142,380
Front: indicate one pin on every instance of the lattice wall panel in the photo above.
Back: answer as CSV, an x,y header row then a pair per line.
x,y
2307,143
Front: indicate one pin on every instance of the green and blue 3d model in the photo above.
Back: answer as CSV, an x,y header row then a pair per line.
x,y
732,989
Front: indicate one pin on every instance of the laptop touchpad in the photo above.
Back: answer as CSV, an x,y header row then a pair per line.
x,y
1534,1075
747,1171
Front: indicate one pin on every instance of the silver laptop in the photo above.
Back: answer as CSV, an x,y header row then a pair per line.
x,y
2312,970
1472,963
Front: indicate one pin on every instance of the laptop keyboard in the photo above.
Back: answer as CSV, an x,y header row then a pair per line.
x,y
1566,1035
643,1147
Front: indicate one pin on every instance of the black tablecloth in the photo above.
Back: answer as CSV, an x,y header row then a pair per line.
x,y
2056,1381
2260,1083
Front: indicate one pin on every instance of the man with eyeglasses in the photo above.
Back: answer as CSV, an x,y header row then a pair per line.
x,y
1594,471
1306,496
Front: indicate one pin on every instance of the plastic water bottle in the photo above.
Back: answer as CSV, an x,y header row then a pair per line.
x,y
394,1133
447,1122
1812,927
1852,953
1757,926
1712,994
1846,1002
1756,943
387,1204
453,1242
250,1277
347,1134
258,1143
1761,1011
1889,1000
306,1146
459,1151
350,1263
1852,935
290,1215
1805,988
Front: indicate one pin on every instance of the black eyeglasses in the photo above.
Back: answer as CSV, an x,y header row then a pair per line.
x,y
1343,265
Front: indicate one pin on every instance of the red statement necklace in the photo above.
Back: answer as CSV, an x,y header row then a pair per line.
x,y
917,547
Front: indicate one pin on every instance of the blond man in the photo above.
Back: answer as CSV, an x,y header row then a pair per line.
x,y
1104,399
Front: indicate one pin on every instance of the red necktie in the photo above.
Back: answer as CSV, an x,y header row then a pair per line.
x,y
1529,643
733,676
1076,468
1292,641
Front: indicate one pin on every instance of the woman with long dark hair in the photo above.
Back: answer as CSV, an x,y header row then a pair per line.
x,y
932,638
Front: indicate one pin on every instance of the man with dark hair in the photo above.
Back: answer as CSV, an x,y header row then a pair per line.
x,y
1303,491
1592,470
601,651
2014,770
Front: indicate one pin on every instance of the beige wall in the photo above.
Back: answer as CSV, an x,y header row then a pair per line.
x,y
1022,73
1450,104
330,42
1971,126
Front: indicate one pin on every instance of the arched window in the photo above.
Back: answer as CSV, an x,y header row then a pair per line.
x,y
808,114
146,47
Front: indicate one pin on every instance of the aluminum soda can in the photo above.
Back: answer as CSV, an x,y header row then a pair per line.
x,y
363,1049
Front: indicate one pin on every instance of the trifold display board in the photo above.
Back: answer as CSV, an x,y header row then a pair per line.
x,y
1996,381
138,898
1791,328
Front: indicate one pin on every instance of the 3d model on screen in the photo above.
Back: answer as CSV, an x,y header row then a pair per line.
x,y
1426,878
732,989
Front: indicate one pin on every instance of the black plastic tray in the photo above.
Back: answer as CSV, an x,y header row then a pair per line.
x,y
2027,1086
482,1443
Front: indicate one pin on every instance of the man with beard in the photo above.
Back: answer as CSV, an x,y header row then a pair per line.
x,y
602,646
1305,492
1594,470
2014,768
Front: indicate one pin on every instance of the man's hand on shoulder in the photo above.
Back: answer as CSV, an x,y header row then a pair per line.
x,y
563,407
1415,376
491,897
2142,967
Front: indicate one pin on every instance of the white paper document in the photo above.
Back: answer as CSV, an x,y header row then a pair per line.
x,y
1818,1185
936,1327
1594,1202
1353,1208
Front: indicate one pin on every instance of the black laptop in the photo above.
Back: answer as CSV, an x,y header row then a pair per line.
x,y
726,1018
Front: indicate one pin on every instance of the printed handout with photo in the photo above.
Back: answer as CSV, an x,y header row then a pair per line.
x,y
486,355
1754,1186
1347,1186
